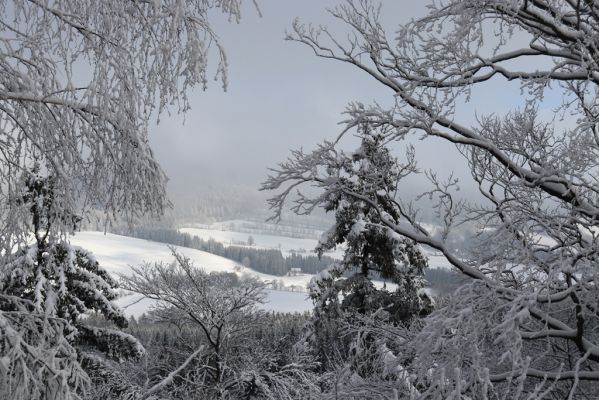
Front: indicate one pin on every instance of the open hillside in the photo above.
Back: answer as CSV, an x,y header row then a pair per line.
x,y
118,253
286,244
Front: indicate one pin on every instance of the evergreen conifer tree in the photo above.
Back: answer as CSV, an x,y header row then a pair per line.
x,y
63,282
372,251
345,291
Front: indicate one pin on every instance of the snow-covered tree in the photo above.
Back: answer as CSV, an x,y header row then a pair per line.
x,y
370,251
526,324
79,84
345,291
222,308
39,365
45,289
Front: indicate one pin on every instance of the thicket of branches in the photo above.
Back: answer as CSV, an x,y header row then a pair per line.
x,y
223,341
527,324
79,84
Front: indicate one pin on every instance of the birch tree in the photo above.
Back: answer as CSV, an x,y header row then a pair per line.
x,y
80,82
526,325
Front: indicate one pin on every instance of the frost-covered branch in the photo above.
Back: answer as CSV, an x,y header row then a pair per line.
x,y
169,379
80,83
527,323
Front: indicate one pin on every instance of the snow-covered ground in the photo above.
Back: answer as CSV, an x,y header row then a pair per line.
x,y
288,244
259,226
437,260
283,243
118,253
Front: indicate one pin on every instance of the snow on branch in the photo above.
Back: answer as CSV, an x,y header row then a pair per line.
x,y
526,325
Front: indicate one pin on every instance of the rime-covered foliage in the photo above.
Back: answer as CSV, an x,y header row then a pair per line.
x,y
370,172
525,325
345,292
268,365
45,289
80,81
60,280
37,361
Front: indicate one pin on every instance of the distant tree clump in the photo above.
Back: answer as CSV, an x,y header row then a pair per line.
x,y
268,261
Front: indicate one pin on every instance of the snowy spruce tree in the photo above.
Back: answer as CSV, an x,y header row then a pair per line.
x,y
54,280
62,282
371,251
363,187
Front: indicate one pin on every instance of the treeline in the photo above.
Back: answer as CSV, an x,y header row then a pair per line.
x,y
271,261
150,330
310,264
268,261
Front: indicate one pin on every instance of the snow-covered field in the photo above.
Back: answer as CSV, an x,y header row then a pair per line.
x,y
261,227
118,253
287,244
437,260
283,243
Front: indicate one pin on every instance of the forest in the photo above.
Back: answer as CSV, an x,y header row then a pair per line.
x,y
82,84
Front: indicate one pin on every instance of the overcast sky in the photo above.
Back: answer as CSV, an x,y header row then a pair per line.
x,y
280,97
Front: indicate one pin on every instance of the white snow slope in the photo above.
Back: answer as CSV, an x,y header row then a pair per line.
x,y
118,253
288,244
